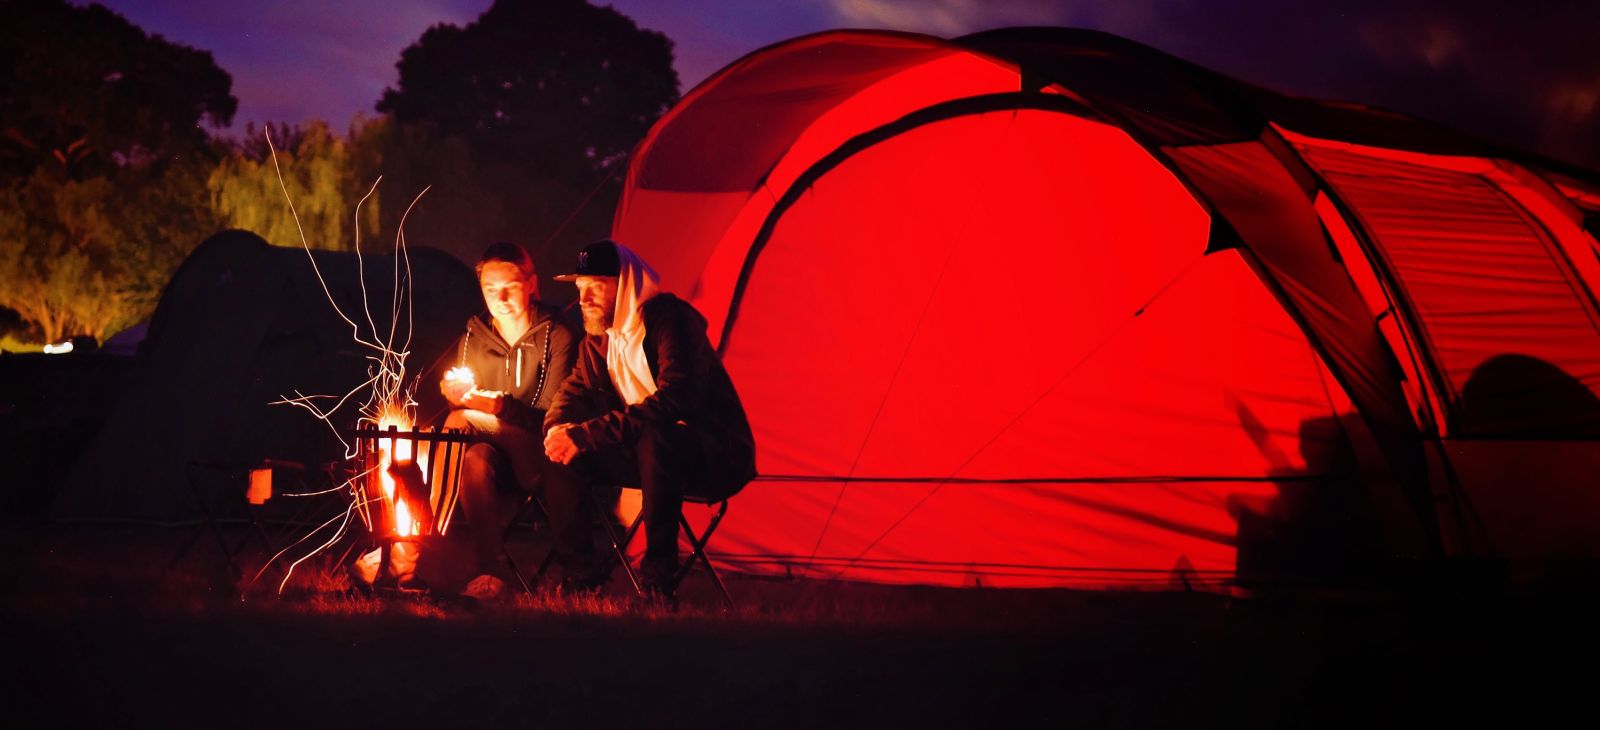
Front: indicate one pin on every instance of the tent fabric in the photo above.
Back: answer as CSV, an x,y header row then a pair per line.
x,y
1043,307
1267,205
926,457
794,108
1159,99
243,324
1485,279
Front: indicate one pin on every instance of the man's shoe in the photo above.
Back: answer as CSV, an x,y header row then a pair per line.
x,y
652,595
655,582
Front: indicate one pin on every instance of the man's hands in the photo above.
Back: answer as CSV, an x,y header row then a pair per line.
x,y
559,446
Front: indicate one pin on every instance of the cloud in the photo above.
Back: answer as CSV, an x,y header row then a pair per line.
x,y
949,17
1575,102
1434,41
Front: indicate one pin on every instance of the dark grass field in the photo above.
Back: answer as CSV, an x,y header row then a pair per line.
x,y
97,633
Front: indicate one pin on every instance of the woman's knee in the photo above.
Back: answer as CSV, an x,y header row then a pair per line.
x,y
478,459
457,419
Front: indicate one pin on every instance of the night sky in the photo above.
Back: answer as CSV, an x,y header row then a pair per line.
x,y
1526,73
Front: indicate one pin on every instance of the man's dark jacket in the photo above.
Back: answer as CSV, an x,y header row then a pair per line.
x,y
692,387
528,371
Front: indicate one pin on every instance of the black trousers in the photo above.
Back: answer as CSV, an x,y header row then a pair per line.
x,y
498,474
663,462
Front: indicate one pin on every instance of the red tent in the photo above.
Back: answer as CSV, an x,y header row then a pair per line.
x,y
1043,307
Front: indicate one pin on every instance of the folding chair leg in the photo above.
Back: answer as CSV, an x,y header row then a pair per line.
x,y
512,563
194,537
698,552
619,546
209,518
505,547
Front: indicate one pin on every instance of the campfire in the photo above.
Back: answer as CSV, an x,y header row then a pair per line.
x,y
403,479
405,491
394,451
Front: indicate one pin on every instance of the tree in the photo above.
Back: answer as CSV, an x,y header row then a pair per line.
x,y
521,121
92,256
85,90
561,86
103,164
322,179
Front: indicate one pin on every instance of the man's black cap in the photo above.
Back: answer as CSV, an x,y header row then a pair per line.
x,y
596,259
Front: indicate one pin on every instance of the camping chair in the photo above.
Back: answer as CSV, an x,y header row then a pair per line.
x,y
697,543
532,512
246,488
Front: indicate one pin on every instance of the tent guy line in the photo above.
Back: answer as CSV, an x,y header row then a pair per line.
x,y
1135,480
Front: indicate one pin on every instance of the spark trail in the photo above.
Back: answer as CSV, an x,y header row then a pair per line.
x,y
383,399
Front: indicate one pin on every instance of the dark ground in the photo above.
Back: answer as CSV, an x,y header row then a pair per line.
x,y
96,633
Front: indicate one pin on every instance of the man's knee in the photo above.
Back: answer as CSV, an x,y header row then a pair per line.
x,y
653,438
667,445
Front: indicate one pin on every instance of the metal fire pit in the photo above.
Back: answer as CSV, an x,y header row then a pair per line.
x,y
442,451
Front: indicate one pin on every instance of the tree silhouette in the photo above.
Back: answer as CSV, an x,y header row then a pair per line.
x,y
84,89
520,121
559,85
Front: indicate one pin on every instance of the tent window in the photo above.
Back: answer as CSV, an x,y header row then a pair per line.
x,y
1501,312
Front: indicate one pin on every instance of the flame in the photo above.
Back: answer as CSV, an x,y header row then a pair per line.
x,y
461,375
401,449
404,525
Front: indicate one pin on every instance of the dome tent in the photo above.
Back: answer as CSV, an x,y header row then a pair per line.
x,y
242,324
1043,307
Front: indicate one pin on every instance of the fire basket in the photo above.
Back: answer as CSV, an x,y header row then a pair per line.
x,y
419,503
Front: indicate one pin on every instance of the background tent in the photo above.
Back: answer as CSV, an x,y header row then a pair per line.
x,y
242,324
1045,307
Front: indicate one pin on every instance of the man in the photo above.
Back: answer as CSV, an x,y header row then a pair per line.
x,y
649,404
515,356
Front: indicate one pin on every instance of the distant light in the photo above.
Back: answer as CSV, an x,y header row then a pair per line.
x,y
60,348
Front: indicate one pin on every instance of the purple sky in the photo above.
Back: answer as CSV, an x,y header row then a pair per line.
x,y
1526,73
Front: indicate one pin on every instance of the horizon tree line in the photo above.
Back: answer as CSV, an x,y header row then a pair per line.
x,y
113,165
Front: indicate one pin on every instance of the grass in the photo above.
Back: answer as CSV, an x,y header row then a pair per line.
x,y
96,632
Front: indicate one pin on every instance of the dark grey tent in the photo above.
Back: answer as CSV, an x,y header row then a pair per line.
x,y
242,324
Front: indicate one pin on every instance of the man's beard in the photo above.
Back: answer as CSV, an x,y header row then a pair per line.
x,y
595,323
